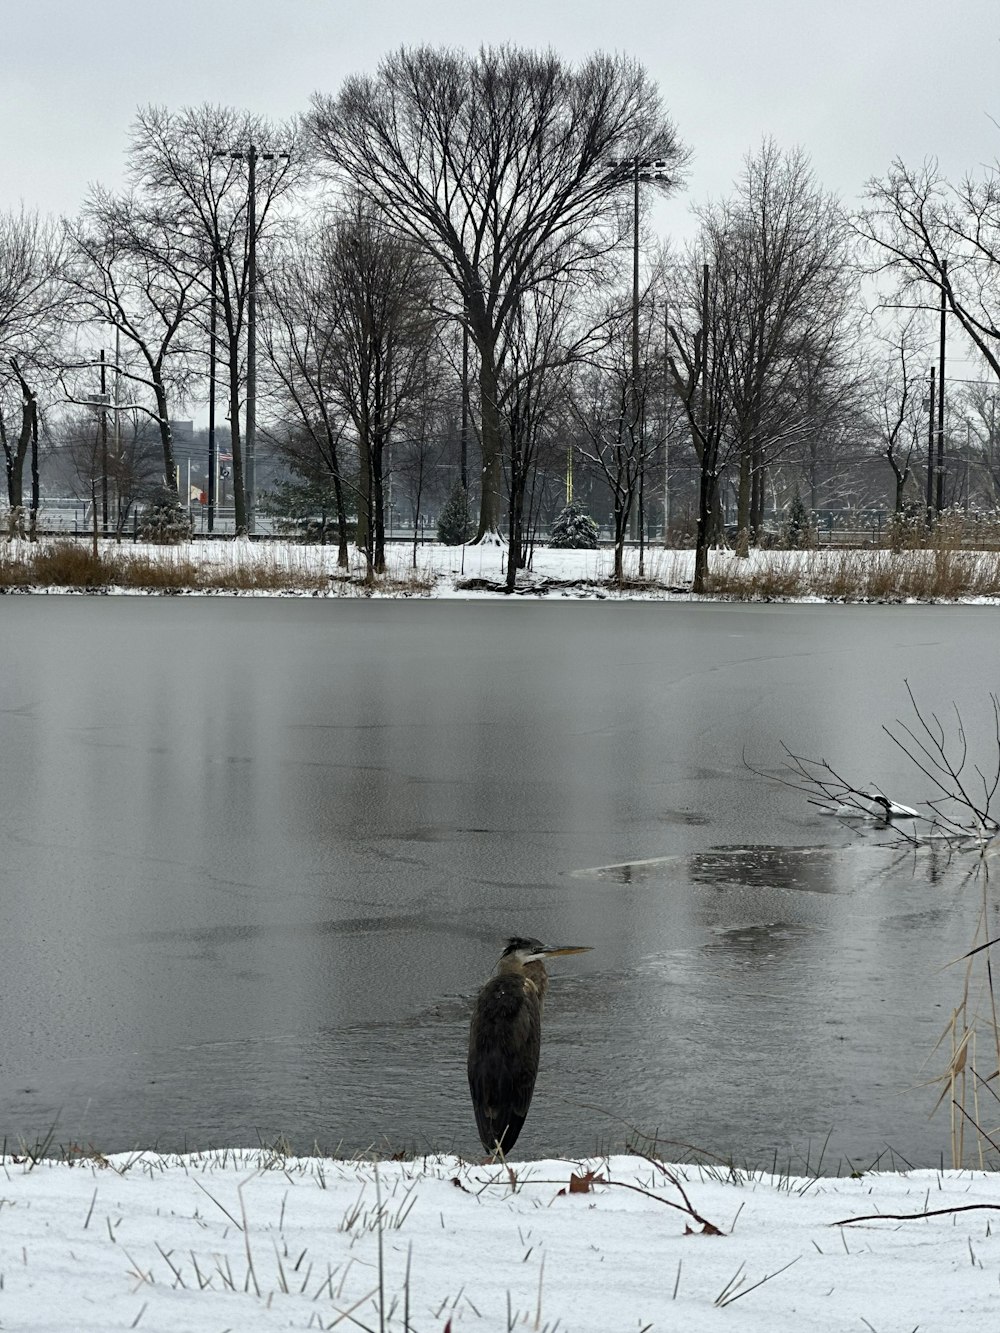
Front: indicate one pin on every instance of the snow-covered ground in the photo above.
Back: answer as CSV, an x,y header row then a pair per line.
x,y
251,1241
478,571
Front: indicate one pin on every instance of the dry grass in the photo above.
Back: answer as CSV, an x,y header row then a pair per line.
x,y
66,564
234,568
939,574
764,582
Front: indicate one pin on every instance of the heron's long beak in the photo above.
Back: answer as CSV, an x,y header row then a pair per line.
x,y
557,950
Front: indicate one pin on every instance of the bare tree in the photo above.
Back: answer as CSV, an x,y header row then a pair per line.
x,y
301,344
548,335
131,269
698,371
366,344
978,404
896,384
784,290
192,165
498,166
933,237
610,408
32,308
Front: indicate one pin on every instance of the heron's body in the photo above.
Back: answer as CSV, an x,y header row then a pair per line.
x,y
505,1041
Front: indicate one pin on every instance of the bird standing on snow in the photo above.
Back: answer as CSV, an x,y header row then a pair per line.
x,y
505,1040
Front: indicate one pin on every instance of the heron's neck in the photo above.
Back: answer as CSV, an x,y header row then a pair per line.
x,y
533,972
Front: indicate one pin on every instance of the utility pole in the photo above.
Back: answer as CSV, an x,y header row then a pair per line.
x,y
250,444
930,454
104,446
635,293
650,169
464,457
666,423
939,497
118,432
212,350
253,156
709,459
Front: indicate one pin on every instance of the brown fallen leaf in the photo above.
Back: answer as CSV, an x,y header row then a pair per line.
x,y
583,1184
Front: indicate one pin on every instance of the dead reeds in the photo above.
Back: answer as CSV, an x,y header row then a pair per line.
x,y
936,574
228,568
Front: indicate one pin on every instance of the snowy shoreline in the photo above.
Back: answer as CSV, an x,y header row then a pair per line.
x,y
253,1240
820,576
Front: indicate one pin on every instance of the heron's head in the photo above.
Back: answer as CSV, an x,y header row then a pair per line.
x,y
522,949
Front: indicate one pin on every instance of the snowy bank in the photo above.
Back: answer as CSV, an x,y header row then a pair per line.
x,y
282,568
254,1240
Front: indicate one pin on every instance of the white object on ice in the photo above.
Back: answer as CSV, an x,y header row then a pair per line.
x,y
889,809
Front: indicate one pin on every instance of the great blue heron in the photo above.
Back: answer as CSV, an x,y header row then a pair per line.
x,y
505,1039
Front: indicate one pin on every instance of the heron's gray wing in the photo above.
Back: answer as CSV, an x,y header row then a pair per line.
x,y
504,1046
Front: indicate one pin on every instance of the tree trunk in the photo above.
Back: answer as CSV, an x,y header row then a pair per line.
x,y
757,496
166,437
743,506
515,526
492,448
343,559
15,458
901,479
239,491
707,496
36,490
363,531
378,504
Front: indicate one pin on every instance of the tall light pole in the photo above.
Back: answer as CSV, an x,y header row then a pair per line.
x,y
213,464
253,156
640,169
939,495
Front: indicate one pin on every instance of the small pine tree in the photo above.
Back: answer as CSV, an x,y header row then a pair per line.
x,y
798,529
575,530
798,532
165,520
303,509
455,523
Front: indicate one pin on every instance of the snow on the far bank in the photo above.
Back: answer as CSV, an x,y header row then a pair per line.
x,y
252,1241
479,571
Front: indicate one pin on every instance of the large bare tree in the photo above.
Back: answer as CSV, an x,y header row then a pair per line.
x,y
501,166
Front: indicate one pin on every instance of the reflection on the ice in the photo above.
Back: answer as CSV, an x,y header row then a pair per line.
x,y
757,945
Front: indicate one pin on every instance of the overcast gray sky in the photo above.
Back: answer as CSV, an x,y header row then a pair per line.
x,y
853,82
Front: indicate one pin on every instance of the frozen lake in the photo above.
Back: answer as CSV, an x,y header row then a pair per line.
x,y
256,856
